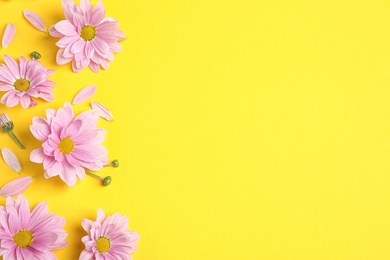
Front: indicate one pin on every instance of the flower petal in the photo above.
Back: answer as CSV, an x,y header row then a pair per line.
x,y
84,94
102,110
11,160
9,34
35,20
16,187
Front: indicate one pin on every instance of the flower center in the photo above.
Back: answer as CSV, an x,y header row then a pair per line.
x,y
22,84
23,238
66,145
88,32
103,244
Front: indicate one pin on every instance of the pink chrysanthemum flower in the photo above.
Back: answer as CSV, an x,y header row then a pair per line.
x,y
24,81
70,144
88,38
108,238
29,235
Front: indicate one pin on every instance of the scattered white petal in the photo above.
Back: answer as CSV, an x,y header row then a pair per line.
x,y
16,186
35,20
11,160
84,94
102,110
9,34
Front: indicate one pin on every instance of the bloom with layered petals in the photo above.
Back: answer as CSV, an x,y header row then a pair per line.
x,y
24,81
29,235
108,238
88,38
70,144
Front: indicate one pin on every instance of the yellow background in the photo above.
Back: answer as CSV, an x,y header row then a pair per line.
x,y
252,129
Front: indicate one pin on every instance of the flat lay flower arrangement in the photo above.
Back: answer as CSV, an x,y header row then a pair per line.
x,y
71,144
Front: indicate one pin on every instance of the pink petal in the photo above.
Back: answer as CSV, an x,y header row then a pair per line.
x,y
9,34
16,187
102,110
84,94
35,20
11,160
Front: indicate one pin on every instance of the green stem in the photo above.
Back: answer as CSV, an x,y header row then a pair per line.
x,y
11,133
105,181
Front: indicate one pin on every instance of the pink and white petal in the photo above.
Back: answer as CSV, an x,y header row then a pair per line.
x,y
37,155
16,186
100,216
101,47
66,28
10,99
35,20
94,66
46,96
86,255
98,13
61,59
89,50
13,66
24,211
11,160
68,175
25,101
84,94
9,34
6,76
53,171
6,88
86,6
53,32
102,110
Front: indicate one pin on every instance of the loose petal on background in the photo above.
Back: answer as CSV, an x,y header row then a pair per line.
x,y
35,20
9,34
11,160
84,94
102,110
16,187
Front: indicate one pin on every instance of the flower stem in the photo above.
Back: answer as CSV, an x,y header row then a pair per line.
x,y
11,133
114,163
105,181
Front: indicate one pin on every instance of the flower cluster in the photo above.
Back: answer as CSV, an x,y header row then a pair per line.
x,y
72,145
88,37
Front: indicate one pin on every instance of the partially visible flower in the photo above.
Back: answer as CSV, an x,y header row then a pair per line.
x,y
7,126
84,94
24,81
102,110
70,144
108,238
11,160
8,36
16,186
29,235
88,38
35,20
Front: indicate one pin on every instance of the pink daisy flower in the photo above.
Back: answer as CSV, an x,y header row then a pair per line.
x,y
70,144
88,38
24,81
108,238
29,235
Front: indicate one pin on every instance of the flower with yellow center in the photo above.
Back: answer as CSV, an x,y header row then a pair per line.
x,y
26,234
25,81
109,238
